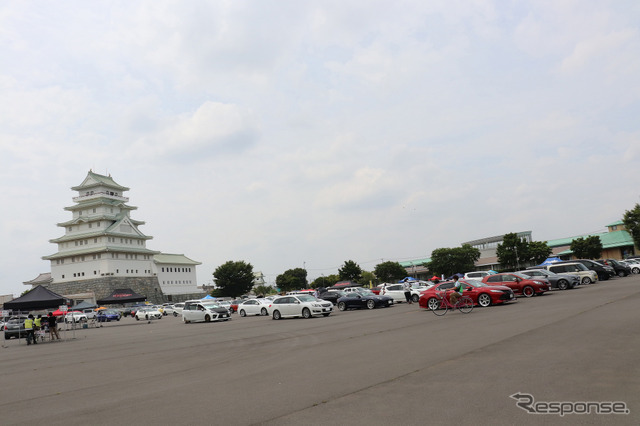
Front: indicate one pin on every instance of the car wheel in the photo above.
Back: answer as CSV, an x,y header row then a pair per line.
x,y
371,304
635,270
622,274
586,280
528,291
137,319
175,314
186,321
276,315
484,300
207,318
563,284
7,337
146,317
264,312
342,306
433,304
306,313
243,313
415,298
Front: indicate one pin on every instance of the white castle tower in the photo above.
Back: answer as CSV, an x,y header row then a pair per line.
x,y
101,239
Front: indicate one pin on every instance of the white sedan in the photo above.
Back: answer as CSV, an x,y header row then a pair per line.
x,y
254,307
148,314
300,305
75,316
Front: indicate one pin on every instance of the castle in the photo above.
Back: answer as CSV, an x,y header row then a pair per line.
x,y
103,249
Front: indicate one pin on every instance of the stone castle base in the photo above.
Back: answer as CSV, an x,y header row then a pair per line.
x,y
103,287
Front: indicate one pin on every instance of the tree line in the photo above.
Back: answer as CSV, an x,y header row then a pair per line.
x,y
235,278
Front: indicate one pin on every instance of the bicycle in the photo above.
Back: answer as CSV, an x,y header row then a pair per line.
x,y
441,304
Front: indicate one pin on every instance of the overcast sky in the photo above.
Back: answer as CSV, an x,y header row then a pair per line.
x,y
305,133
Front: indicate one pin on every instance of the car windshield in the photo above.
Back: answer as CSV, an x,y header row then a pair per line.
x,y
474,283
306,298
524,277
366,292
211,305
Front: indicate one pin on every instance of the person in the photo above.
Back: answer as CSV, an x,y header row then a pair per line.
x,y
458,287
28,327
53,326
407,291
37,326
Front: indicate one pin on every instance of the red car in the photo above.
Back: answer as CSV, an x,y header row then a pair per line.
x,y
519,283
481,294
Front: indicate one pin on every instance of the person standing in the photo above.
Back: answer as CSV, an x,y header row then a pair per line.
x,y
53,326
28,327
407,291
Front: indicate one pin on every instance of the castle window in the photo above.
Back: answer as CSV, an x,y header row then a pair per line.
x,y
90,225
95,240
94,210
95,273
62,275
83,274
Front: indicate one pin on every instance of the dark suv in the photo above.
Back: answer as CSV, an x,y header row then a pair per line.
x,y
620,269
604,272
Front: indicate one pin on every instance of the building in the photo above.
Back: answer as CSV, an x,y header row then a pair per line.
x,y
103,249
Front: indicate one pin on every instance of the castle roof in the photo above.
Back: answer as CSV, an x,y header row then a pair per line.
x,y
94,179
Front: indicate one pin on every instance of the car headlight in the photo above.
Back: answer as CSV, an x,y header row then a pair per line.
x,y
316,305
538,282
495,291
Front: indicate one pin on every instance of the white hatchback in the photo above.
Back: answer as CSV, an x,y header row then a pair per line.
x,y
300,305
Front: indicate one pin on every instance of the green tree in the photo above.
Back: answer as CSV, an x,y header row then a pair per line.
x,y
631,220
587,248
350,271
538,251
233,279
292,279
389,272
325,282
368,278
513,252
449,261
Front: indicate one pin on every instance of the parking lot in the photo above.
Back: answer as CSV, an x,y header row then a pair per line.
x,y
400,365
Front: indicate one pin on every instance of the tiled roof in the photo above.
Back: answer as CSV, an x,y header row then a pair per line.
x,y
174,258
94,179
101,249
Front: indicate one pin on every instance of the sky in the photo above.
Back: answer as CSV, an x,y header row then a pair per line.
x,y
292,134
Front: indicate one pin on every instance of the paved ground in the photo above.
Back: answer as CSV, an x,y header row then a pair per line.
x,y
400,365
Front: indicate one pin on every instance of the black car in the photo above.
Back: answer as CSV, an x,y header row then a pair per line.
x,y
620,269
360,299
604,272
559,281
332,296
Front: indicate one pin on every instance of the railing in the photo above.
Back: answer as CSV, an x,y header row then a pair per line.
x,y
100,194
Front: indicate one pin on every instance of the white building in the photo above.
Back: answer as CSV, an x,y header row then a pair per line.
x,y
102,241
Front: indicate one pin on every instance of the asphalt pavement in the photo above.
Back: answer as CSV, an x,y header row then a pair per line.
x,y
392,366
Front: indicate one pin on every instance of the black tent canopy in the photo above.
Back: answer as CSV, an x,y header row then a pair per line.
x,y
38,298
122,295
83,305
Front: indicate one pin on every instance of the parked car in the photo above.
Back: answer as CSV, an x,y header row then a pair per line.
x,y
108,315
177,309
520,284
482,294
75,317
476,275
586,275
620,269
202,310
14,327
331,296
148,314
359,300
633,265
396,292
604,272
557,281
303,305
234,305
253,307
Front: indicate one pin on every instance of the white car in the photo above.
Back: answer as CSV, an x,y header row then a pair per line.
x,y
300,305
148,314
631,263
177,309
202,310
75,316
254,307
396,291
476,275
